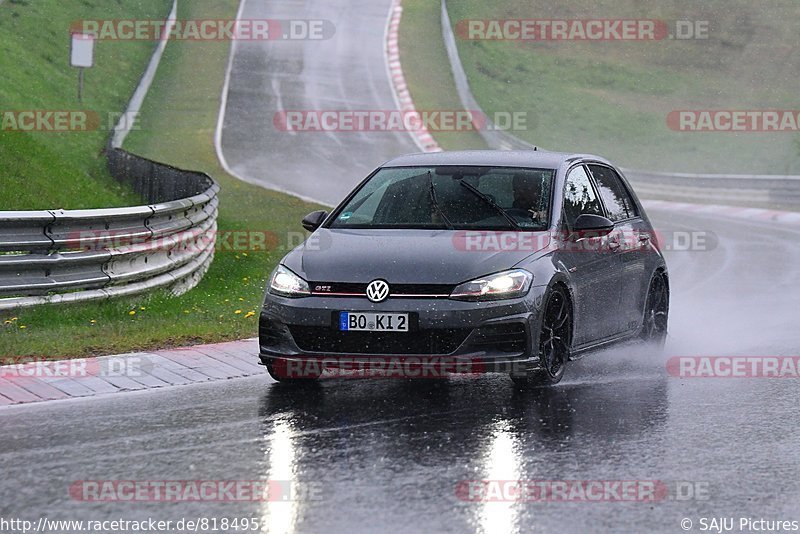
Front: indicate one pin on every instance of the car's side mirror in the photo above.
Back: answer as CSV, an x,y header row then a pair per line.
x,y
596,225
312,221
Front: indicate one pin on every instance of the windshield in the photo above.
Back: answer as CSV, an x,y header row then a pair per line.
x,y
479,198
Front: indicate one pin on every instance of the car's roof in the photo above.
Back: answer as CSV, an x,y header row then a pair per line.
x,y
540,159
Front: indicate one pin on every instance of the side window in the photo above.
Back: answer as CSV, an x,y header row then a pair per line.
x,y
579,196
616,198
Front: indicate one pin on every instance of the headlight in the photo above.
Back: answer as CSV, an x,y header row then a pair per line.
x,y
287,284
504,285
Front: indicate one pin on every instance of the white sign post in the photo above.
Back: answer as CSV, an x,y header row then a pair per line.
x,y
81,56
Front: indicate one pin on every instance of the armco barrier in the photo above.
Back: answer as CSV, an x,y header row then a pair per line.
x,y
773,191
757,190
493,137
55,256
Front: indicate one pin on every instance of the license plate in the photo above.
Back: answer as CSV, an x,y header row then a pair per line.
x,y
373,322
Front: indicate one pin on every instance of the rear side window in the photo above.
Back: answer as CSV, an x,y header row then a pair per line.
x,y
617,200
579,196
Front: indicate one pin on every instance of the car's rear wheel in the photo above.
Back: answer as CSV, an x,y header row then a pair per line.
x,y
555,341
279,371
656,314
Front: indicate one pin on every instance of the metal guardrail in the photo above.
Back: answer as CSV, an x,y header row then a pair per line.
x,y
53,256
492,136
773,191
757,190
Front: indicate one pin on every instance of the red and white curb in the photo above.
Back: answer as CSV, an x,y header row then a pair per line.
x,y
421,135
736,212
32,380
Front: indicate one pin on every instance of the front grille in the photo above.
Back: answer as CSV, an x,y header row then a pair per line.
x,y
506,337
395,290
326,339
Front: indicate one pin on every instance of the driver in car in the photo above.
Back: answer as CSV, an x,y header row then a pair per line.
x,y
528,196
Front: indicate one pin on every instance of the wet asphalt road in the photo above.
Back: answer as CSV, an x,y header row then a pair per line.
x,y
388,455
384,454
344,73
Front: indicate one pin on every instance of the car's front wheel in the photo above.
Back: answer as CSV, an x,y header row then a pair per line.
x,y
555,341
656,314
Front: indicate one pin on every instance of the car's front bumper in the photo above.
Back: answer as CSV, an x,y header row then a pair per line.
x,y
468,337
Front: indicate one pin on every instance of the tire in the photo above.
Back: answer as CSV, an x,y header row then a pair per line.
x,y
555,342
656,312
278,372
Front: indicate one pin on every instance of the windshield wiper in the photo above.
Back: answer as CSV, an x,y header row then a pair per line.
x,y
435,202
488,200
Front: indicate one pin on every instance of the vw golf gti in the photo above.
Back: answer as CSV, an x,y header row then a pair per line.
x,y
489,261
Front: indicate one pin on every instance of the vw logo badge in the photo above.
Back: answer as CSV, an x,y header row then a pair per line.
x,y
377,290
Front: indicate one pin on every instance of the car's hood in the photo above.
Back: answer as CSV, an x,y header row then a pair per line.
x,y
406,256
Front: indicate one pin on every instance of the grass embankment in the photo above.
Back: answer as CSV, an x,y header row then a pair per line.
x,y
177,127
613,98
45,170
427,70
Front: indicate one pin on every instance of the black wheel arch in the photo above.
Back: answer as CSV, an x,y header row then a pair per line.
x,y
562,282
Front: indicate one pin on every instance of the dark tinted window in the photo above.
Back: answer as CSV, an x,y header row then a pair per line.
x,y
579,196
439,197
616,199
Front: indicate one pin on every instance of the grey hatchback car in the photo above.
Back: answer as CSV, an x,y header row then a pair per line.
x,y
471,261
